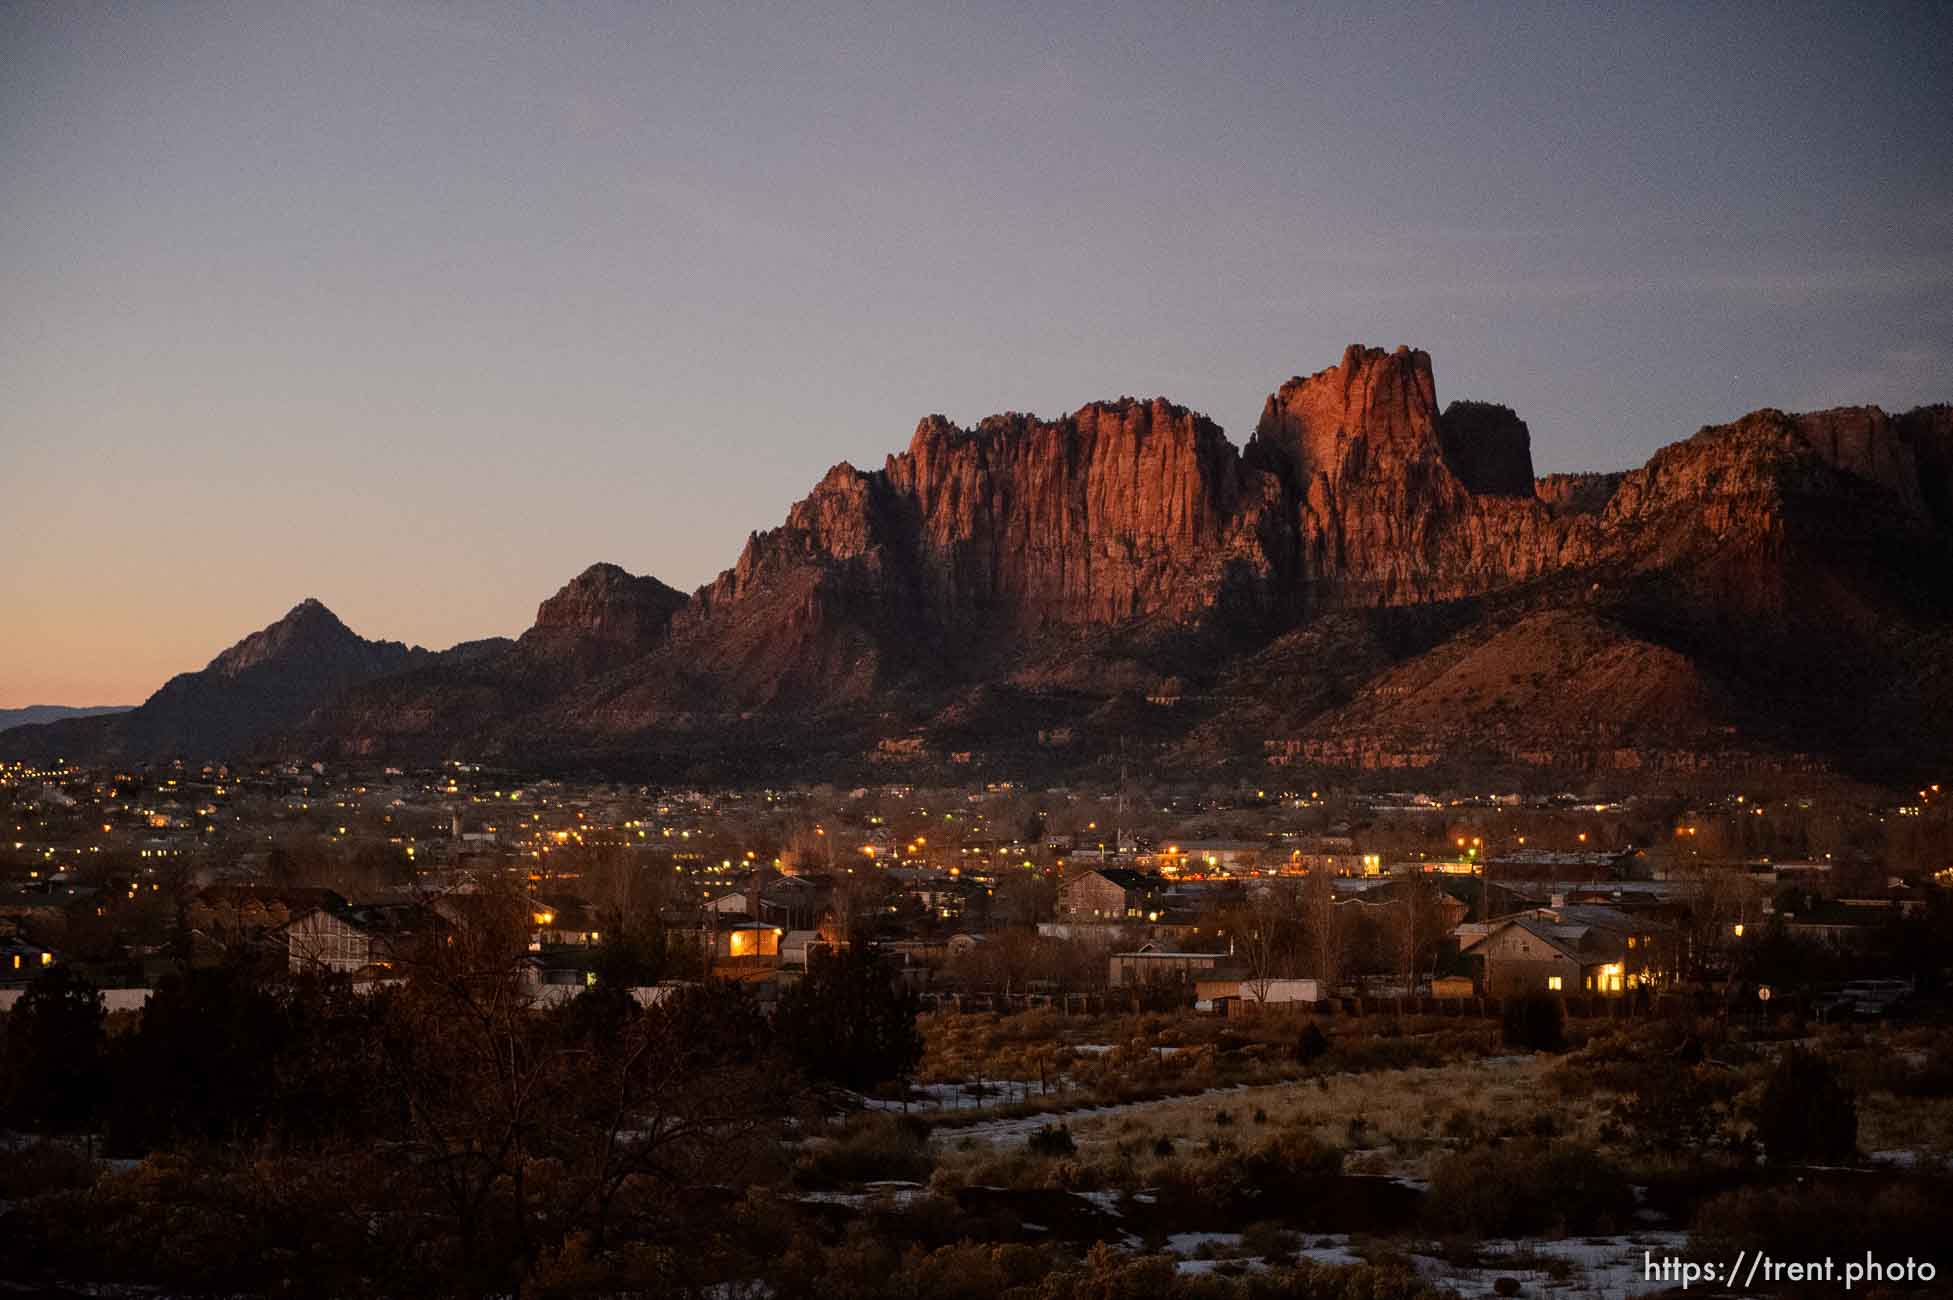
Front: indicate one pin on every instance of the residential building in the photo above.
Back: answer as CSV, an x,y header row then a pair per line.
x,y
1111,893
1571,949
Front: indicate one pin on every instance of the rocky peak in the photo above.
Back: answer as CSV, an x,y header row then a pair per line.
x,y
309,628
1488,447
1373,408
608,605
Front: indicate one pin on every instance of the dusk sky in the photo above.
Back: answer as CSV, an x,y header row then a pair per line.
x,y
422,308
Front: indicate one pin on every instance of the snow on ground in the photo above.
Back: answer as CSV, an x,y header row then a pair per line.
x,y
1601,1266
1009,1132
959,1096
1594,1266
891,1190
1214,1265
1328,1249
1331,1250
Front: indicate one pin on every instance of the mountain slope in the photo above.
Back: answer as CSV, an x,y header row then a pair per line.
x,y
267,683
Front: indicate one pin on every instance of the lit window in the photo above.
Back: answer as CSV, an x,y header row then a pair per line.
x,y
1554,983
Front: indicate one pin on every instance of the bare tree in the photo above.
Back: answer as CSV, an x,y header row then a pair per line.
x,y
1264,929
1323,928
1723,899
1419,919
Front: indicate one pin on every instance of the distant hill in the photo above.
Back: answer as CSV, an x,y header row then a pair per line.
x,y
264,685
38,713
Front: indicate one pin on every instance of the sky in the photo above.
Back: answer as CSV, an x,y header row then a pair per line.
x,y
421,308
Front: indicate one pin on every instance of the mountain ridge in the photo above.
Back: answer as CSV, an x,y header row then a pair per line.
x,y
1035,591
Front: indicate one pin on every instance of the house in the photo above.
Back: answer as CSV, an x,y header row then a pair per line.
x,y
796,946
562,921
1570,949
1274,991
1211,856
335,940
21,961
1848,924
1157,964
933,952
752,942
790,902
223,917
1111,893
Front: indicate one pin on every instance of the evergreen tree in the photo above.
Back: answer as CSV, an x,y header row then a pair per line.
x,y
1806,1112
56,1072
849,1022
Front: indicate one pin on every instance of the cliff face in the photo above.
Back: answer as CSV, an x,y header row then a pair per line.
x,y
1124,510
1576,494
1488,447
1929,432
1382,517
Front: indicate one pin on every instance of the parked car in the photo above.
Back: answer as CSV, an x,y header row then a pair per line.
x,y
1871,998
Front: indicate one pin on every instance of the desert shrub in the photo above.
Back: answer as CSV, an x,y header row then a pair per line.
x,y
1311,1043
1290,1158
1534,1024
871,1148
1808,1221
1923,1072
1367,1055
1675,1107
1268,1240
210,1225
1526,1187
1052,1140
37,1168
973,1271
1806,1112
